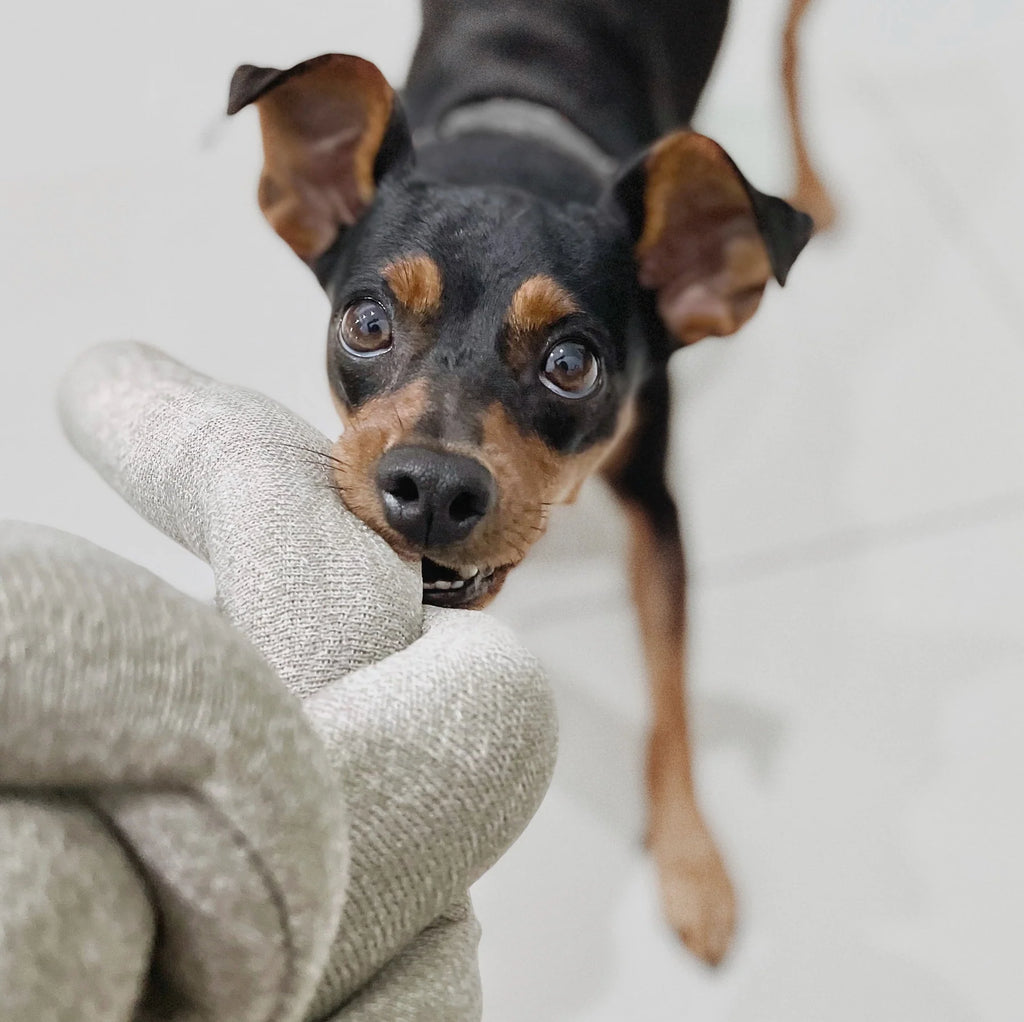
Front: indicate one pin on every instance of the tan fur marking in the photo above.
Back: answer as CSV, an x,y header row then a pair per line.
x,y
530,476
416,282
526,472
370,431
539,303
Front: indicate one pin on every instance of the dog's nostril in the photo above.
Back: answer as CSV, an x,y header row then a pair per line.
x,y
404,488
468,505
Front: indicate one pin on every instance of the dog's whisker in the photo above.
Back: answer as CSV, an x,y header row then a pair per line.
x,y
323,462
326,455
312,463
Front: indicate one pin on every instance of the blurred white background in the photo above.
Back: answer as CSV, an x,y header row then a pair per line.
x,y
850,471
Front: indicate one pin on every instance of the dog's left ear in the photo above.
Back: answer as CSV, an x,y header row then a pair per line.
x,y
706,241
332,128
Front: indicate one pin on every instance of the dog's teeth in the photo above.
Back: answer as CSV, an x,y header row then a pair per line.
x,y
429,585
457,584
468,573
441,584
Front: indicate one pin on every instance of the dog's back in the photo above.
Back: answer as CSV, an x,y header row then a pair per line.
x,y
623,71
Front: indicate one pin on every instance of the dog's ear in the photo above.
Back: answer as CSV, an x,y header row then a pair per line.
x,y
706,241
332,127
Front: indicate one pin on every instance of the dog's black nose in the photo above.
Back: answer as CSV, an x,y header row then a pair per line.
x,y
432,498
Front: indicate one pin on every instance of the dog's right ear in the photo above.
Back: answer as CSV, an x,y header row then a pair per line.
x,y
332,127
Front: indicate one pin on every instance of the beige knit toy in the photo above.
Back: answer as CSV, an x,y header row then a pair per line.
x,y
271,810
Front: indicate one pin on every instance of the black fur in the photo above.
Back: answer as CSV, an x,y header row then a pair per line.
x,y
624,71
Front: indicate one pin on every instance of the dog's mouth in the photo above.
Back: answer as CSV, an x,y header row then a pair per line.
x,y
466,587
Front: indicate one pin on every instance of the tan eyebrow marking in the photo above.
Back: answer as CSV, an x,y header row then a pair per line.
x,y
539,302
415,281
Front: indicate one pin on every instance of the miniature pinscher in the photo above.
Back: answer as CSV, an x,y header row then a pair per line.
x,y
512,251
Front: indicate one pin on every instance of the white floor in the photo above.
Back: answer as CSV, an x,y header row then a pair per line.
x,y
851,473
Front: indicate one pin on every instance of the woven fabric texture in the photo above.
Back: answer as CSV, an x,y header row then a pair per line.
x,y
272,809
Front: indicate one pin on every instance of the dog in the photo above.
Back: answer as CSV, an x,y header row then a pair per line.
x,y
513,249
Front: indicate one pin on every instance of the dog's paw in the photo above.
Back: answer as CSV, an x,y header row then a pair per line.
x,y
699,902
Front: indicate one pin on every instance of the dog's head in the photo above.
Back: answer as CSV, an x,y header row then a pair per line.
x,y
485,345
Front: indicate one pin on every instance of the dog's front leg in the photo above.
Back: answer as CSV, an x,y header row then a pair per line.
x,y
697,895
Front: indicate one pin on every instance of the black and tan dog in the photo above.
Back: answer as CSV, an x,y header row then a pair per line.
x,y
512,253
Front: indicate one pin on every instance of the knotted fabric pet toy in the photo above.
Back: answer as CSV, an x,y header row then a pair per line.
x,y
269,810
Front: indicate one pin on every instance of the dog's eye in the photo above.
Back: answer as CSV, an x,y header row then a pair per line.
x,y
365,329
571,369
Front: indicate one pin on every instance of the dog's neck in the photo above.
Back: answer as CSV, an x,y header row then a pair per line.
x,y
525,120
518,144
522,120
